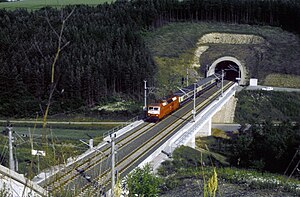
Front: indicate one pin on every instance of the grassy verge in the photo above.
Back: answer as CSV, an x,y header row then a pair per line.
x,y
258,180
251,179
59,145
64,134
171,72
37,4
256,106
65,125
214,146
282,80
187,164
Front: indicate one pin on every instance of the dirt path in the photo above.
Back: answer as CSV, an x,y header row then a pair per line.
x,y
63,122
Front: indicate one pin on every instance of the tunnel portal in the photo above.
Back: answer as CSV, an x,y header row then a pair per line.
x,y
233,68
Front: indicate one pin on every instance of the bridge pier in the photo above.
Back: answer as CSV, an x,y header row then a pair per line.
x,y
191,143
205,130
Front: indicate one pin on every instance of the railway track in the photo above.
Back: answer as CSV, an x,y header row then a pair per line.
x,y
142,151
93,174
65,176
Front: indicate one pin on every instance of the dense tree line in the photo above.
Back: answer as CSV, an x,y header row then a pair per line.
x,y
283,13
267,146
105,55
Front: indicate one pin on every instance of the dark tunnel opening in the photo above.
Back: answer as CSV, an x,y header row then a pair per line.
x,y
231,70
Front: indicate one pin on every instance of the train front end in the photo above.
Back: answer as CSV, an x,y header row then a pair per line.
x,y
153,112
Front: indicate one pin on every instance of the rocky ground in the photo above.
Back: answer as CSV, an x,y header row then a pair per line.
x,y
192,187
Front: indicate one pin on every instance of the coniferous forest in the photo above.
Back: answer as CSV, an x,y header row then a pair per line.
x,y
105,54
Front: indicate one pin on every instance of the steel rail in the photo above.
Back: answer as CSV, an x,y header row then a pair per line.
x,y
57,182
178,123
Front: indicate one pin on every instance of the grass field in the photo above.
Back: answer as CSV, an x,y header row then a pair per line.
x,y
64,134
64,141
37,4
282,80
256,106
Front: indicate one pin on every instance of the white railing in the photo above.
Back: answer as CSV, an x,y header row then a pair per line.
x,y
190,129
115,129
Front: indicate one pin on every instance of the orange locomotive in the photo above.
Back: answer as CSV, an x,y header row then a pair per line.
x,y
159,110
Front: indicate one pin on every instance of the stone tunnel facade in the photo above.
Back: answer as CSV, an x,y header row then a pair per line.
x,y
216,49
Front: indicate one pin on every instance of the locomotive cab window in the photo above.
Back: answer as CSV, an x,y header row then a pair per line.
x,y
156,108
150,108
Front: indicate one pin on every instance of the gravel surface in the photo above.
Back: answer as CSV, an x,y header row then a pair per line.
x,y
192,187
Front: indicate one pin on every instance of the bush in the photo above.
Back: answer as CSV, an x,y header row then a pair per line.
x,y
142,182
266,146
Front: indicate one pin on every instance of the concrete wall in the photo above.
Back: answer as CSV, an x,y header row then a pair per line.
x,y
17,185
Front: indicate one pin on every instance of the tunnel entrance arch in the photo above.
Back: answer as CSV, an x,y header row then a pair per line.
x,y
233,67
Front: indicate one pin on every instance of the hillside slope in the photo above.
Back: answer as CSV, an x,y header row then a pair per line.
x,y
174,48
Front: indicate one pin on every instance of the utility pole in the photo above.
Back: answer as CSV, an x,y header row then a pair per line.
x,y
112,138
145,93
38,156
11,156
194,110
187,76
16,161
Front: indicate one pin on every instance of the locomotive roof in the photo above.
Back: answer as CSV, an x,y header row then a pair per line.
x,y
154,104
191,86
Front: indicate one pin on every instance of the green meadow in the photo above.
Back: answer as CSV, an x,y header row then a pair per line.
x,y
62,134
37,4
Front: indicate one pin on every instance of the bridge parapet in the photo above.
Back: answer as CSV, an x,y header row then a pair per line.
x,y
17,185
202,124
186,136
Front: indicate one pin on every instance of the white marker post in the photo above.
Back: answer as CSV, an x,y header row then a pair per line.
x,y
38,153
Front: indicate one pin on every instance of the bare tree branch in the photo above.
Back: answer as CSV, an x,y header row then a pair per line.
x,y
59,49
47,19
65,45
38,48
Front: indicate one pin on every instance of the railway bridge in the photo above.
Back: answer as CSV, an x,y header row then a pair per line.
x,y
140,142
198,127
